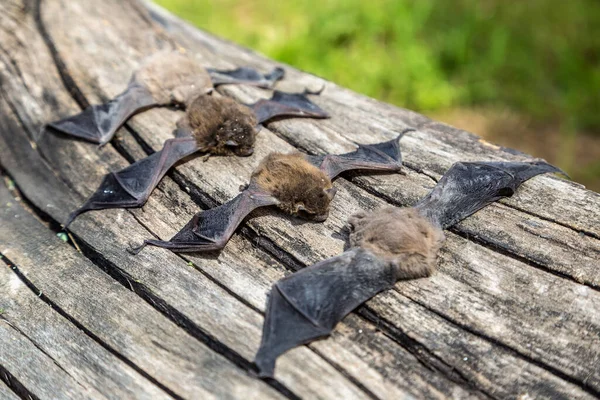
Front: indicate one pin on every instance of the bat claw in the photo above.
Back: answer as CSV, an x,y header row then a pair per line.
x,y
71,218
134,250
404,132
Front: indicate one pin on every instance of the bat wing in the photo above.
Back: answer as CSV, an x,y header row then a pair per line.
x,y
245,75
383,156
99,123
308,304
283,104
131,186
467,187
211,229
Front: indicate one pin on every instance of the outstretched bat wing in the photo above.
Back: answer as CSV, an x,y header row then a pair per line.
x,y
283,104
245,75
132,186
98,123
383,156
469,186
211,229
308,304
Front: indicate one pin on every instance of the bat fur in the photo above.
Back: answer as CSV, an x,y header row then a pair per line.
x,y
400,236
299,186
221,126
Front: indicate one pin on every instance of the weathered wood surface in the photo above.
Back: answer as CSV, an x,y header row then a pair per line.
x,y
511,313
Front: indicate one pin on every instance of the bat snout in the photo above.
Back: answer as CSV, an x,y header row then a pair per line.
x,y
320,217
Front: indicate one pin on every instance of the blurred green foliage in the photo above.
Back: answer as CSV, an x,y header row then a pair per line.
x,y
538,60
538,57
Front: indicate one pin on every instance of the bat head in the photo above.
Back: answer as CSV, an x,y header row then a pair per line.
x,y
300,187
222,126
172,77
400,236
314,203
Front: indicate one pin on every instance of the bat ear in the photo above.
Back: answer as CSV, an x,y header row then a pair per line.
x,y
331,192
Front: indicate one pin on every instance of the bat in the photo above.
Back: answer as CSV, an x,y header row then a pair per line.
x,y
166,78
387,245
299,185
212,124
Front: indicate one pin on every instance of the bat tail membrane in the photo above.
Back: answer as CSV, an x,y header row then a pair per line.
x,y
308,304
283,104
132,186
99,123
245,75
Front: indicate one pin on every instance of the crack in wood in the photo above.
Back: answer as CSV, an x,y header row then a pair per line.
x,y
31,286
37,346
426,357
580,383
68,82
17,387
499,248
177,317
554,221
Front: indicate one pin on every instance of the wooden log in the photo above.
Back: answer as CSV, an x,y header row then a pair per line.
x,y
493,322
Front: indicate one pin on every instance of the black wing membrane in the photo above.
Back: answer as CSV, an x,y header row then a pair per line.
x,y
469,186
131,186
211,229
308,304
245,75
385,156
98,123
283,104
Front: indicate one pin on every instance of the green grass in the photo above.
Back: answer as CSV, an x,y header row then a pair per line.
x,y
538,58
